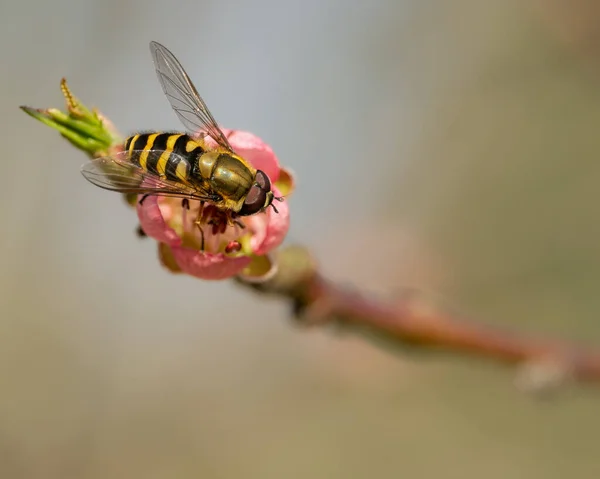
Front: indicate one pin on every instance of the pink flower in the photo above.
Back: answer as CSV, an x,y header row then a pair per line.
x,y
228,250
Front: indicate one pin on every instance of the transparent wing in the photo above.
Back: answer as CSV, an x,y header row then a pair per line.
x,y
117,173
183,96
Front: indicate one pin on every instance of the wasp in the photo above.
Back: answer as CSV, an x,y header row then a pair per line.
x,y
183,164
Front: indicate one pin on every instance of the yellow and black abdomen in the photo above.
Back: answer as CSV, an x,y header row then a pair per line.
x,y
169,155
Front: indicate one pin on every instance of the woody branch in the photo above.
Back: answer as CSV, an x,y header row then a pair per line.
x,y
412,321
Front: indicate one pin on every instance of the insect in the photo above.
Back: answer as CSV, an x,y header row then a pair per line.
x,y
182,164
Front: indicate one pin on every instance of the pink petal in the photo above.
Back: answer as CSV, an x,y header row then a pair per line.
x,y
256,151
208,266
153,223
278,225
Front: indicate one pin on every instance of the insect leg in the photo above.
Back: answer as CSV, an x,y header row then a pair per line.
x,y
143,198
198,223
140,232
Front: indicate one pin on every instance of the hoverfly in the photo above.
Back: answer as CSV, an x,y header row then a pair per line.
x,y
182,164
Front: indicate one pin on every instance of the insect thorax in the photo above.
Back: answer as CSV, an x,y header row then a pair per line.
x,y
227,174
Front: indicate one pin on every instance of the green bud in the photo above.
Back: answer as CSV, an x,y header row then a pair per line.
x,y
86,129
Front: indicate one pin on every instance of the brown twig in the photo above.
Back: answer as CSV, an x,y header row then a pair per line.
x,y
412,321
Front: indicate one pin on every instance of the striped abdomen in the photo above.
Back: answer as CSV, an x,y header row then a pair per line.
x,y
153,152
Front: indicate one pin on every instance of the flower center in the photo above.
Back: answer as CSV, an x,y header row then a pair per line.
x,y
204,227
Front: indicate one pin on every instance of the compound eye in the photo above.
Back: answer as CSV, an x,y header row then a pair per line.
x,y
263,180
255,201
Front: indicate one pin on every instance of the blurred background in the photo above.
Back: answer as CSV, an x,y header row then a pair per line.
x,y
447,146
